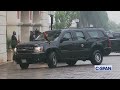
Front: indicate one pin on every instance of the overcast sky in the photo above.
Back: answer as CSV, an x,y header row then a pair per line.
x,y
114,16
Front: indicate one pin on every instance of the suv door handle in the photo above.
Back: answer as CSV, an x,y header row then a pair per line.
x,y
82,45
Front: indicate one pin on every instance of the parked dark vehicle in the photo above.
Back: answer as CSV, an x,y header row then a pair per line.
x,y
116,34
115,41
110,35
67,45
115,45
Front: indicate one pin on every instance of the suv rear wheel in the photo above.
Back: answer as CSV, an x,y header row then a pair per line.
x,y
52,60
96,58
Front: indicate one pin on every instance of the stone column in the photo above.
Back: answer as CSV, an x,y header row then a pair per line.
x,y
44,21
36,20
3,50
26,19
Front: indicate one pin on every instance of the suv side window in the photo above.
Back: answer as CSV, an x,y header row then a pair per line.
x,y
93,34
101,34
68,36
96,34
80,35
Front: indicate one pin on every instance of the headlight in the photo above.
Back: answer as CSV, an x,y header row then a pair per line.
x,y
15,50
38,49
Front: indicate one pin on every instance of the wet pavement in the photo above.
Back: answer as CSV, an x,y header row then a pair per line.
x,y
82,70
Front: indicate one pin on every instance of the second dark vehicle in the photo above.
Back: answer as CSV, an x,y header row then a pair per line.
x,y
115,41
67,45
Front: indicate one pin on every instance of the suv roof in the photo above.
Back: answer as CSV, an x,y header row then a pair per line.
x,y
85,29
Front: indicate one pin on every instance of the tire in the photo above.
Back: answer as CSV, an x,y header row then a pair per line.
x,y
52,60
24,66
71,63
96,58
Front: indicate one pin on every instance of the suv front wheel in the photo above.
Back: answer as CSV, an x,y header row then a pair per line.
x,y
24,65
96,58
52,60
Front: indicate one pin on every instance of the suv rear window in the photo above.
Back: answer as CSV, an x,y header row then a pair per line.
x,y
96,34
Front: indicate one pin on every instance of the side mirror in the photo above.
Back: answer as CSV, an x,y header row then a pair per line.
x,y
63,39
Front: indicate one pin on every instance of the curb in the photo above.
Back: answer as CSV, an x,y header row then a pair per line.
x,y
2,63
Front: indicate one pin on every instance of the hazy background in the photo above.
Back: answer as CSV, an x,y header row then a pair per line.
x,y
114,16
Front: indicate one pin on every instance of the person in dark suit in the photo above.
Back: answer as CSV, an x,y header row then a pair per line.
x,y
37,33
32,36
14,41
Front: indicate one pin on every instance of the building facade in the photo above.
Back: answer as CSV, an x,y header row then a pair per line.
x,y
25,21
22,22
3,53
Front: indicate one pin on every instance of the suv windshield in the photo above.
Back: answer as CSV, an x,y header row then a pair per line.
x,y
51,35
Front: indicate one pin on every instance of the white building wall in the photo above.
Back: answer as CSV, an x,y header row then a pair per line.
x,y
36,17
44,21
12,18
25,16
12,24
3,51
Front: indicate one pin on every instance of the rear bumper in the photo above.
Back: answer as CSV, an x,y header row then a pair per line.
x,y
30,58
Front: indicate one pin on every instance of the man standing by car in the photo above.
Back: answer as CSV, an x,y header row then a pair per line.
x,y
14,42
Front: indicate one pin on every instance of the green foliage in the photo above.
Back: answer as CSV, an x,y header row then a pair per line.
x,y
63,19
8,43
113,26
96,18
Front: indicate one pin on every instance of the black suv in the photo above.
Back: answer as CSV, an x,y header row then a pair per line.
x,y
64,45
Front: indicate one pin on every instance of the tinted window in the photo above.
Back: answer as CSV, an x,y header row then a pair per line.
x,y
80,35
52,36
96,34
93,34
109,35
67,36
116,35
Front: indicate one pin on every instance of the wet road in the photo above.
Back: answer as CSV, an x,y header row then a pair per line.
x,y
82,70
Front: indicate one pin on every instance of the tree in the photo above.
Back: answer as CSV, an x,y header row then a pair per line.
x,y
113,26
63,19
96,18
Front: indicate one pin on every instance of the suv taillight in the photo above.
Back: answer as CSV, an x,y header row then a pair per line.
x,y
109,43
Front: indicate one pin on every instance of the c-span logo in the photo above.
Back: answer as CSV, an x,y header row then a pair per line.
x,y
103,67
